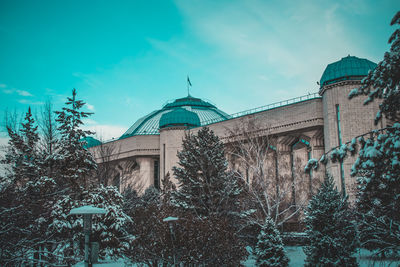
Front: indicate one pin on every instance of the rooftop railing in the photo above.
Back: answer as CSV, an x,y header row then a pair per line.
x,y
266,107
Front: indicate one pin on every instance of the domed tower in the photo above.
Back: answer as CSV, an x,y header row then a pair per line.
x,y
345,119
172,131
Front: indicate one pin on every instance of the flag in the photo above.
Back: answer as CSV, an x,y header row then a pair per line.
x,y
188,81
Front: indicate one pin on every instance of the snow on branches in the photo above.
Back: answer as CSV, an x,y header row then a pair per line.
x,y
370,150
109,229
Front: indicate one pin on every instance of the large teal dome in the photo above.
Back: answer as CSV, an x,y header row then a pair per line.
x,y
205,112
348,68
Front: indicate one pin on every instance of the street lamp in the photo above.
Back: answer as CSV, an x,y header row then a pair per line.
x,y
170,221
87,212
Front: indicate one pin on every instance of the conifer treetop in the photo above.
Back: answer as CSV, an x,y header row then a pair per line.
x,y
75,161
269,250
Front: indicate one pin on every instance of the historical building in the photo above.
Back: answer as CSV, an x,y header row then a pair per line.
x,y
302,128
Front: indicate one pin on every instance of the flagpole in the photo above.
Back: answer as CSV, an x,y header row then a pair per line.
x,y
187,83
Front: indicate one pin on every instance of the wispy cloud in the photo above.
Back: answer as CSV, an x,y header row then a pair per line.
x,y
290,41
23,93
88,121
103,131
106,131
90,107
13,90
29,102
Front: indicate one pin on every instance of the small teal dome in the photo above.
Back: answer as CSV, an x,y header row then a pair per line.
x,y
90,142
348,68
179,117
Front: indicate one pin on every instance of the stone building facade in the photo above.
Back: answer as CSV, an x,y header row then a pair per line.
x,y
300,129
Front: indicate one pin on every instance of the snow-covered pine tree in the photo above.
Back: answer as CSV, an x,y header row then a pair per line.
x,y
73,166
74,162
207,193
378,165
269,250
378,202
28,190
22,154
109,229
205,185
330,229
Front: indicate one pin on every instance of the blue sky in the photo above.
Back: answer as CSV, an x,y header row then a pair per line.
x,y
127,58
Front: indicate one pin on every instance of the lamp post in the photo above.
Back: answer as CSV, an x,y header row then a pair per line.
x,y
170,221
87,212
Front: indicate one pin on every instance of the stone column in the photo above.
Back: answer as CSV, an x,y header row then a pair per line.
x,y
317,150
171,139
284,169
146,171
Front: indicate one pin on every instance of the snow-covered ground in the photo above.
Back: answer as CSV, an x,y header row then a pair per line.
x,y
295,254
297,257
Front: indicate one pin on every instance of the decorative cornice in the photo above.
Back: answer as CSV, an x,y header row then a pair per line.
x,y
338,84
269,130
134,152
173,128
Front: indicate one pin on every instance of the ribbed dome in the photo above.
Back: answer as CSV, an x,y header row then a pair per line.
x,y
178,117
204,111
348,68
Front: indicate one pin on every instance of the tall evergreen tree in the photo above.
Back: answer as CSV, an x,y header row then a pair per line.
x,y
378,202
73,167
378,165
22,154
28,190
74,162
331,231
205,185
208,198
269,250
